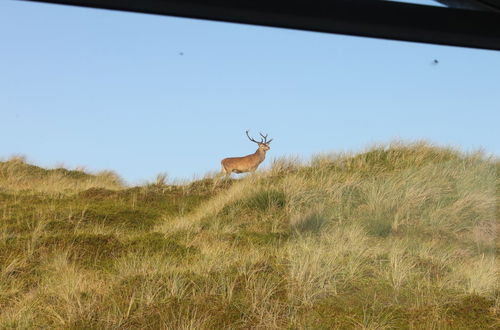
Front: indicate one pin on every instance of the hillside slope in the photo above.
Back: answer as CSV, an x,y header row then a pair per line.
x,y
399,236
17,175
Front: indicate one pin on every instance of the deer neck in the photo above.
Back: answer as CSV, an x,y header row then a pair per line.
x,y
261,154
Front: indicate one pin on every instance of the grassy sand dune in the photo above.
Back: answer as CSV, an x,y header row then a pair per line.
x,y
398,236
19,176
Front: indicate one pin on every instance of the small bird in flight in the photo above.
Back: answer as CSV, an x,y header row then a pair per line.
x,y
435,62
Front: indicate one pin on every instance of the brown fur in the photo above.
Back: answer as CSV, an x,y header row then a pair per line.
x,y
247,163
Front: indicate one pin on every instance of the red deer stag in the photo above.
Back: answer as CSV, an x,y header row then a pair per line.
x,y
247,163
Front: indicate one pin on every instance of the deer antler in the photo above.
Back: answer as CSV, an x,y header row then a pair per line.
x,y
251,138
265,138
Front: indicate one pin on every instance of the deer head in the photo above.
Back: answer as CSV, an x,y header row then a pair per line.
x,y
263,144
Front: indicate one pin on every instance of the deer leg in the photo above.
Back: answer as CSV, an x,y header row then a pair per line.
x,y
220,176
225,172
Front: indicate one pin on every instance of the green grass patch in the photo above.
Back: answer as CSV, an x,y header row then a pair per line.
x,y
402,236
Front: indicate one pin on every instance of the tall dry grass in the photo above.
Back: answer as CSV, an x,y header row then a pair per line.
x,y
17,175
397,236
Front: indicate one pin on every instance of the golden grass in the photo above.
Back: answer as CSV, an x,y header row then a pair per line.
x,y
397,236
16,175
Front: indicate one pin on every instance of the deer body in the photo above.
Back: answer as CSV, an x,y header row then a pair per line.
x,y
247,163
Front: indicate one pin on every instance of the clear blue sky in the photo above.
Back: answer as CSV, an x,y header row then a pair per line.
x,y
110,90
